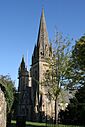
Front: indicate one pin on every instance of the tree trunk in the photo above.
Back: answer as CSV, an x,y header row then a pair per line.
x,y
56,111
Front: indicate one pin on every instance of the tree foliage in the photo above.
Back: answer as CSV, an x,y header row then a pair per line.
x,y
75,112
8,84
76,70
78,57
55,76
76,109
79,53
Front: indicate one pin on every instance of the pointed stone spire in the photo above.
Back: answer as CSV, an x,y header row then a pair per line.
x,y
23,62
22,65
42,40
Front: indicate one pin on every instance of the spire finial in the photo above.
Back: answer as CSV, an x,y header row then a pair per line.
x,y
42,9
42,15
23,58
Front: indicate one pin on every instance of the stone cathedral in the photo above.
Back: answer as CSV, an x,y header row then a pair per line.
x,y
33,101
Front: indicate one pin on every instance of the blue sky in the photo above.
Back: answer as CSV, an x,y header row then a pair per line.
x,y
19,24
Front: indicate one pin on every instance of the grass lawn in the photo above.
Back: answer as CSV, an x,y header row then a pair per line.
x,y
36,124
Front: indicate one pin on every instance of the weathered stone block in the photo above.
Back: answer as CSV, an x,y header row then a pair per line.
x,y
2,109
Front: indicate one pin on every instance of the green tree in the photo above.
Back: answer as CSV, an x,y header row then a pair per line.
x,y
76,70
78,53
75,112
78,62
55,76
76,76
8,85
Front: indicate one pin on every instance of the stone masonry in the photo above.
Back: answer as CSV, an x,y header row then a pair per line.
x,y
33,102
2,109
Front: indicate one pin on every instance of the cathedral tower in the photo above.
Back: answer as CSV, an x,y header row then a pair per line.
x,y
32,92
39,67
23,76
24,92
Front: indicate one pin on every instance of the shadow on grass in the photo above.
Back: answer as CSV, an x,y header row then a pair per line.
x,y
35,124
28,124
13,125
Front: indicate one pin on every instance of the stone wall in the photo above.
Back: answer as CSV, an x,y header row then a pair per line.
x,y
2,109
